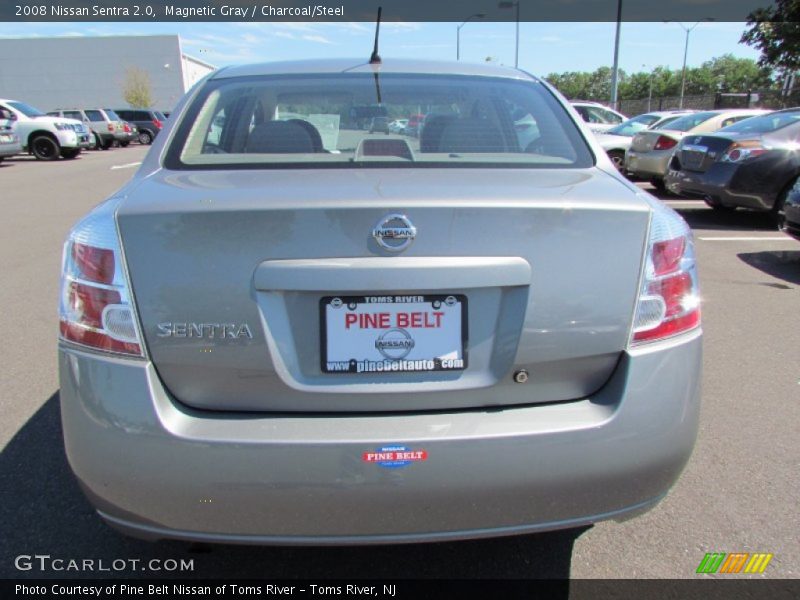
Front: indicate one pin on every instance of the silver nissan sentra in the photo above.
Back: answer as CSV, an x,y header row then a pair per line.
x,y
287,329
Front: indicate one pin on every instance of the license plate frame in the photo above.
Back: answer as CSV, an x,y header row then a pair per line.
x,y
693,156
376,361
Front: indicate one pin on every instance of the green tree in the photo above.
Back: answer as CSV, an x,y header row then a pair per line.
x,y
738,74
723,73
571,84
137,89
775,32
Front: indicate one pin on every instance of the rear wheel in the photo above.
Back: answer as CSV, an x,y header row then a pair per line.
x,y
145,137
779,208
44,147
70,153
124,144
658,183
107,145
618,158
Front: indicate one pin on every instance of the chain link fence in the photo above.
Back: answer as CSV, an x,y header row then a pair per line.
x,y
770,99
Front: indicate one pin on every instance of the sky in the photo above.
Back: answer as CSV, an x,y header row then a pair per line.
x,y
544,47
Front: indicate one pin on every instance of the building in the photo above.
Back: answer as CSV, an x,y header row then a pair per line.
x,y
85,72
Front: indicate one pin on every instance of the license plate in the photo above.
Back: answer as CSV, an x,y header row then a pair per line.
x,y
692,156
393,333
6,139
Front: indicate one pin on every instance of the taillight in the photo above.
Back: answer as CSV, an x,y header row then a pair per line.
x,y
742,151
110,127
669,297
664,143
96,308
126,128
157,123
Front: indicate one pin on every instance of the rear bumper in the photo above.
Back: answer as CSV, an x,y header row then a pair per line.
x,y
155,469
722,184
648,164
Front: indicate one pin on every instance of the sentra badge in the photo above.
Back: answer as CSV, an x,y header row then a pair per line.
x,y
205,330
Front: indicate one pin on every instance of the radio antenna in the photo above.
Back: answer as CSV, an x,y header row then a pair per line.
x,y
375,59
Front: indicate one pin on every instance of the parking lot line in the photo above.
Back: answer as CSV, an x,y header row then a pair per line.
x,y
746,238
684,203
126,166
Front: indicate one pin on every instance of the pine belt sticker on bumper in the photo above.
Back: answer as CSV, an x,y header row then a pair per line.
x,y
394,457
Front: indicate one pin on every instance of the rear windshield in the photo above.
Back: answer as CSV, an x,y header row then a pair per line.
x,y
330,121
112,115
631,126
688,122
765,123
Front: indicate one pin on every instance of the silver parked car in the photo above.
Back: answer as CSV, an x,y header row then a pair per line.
x,y
288,335
106,126
617,140
650,151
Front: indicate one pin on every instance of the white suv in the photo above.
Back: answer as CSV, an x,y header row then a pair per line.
x,y
9,140
46,137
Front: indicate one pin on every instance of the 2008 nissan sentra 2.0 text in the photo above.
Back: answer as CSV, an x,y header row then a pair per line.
x,y
287,329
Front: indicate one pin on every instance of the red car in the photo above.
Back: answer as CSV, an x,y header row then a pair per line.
x,y
413,126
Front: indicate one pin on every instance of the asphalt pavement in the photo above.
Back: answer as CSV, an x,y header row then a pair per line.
x,y
739,492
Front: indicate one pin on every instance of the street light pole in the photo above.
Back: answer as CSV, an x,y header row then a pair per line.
x,y
685,55
688,30
615,70
516,45
458,32
515,5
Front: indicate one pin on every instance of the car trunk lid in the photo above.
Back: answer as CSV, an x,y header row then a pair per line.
x,y
645,141
236,274
699,152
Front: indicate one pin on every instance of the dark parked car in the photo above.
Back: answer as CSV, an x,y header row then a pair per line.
x,y
148,122
791,222
752,163
379,125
